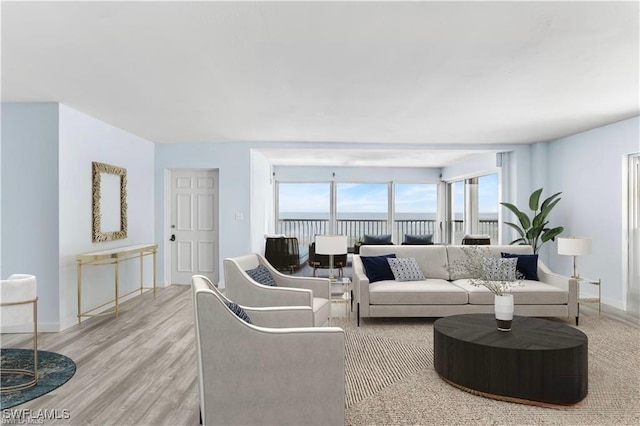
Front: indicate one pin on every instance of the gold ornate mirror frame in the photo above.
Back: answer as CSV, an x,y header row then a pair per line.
x,y
97,233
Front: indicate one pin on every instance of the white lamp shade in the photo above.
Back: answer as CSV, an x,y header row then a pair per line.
x,y
331,244
574,246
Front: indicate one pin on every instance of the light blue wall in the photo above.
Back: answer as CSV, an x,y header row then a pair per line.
x,y
30,200
589,168
233,163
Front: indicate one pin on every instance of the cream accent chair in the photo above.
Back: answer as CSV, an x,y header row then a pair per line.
x,y
249,374
18,307
272,316
290,290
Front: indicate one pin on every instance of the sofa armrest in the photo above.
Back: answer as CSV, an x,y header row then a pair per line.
x,y
360,285
280,316
565,283
321,287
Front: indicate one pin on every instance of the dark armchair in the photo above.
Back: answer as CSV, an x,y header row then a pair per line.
x,y
322,260
476,240
284,253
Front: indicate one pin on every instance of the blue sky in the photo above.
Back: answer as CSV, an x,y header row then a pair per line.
x,y
372,197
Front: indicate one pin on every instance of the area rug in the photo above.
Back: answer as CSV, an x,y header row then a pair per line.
x,y
390,379
53,371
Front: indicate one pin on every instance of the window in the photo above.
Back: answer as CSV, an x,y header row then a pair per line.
x,y
488,206
415,208
473,208
362,208
303,210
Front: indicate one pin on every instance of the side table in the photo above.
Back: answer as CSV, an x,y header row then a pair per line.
x,y
587,281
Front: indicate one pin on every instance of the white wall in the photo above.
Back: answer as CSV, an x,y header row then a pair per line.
x,y
588,169
84,139
29,207
262,221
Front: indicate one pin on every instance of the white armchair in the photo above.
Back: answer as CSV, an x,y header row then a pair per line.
x,y
290,290
249,374
19,307
272,316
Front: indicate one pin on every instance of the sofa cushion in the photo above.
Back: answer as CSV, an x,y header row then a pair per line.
x,y
377,267
432,259
405,269
262,275
418,239
377,239
427,292
529,293
527,265
321,311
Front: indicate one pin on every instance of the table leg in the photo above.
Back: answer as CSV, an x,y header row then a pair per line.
x,y
79,269
116,280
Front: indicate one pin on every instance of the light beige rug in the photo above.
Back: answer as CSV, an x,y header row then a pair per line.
x,y
390,379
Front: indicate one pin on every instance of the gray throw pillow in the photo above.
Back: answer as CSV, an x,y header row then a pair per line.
x,y
425,239
499,269
405,269
377,239
262,275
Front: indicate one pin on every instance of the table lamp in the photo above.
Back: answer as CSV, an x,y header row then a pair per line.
x,y
574,246
331,245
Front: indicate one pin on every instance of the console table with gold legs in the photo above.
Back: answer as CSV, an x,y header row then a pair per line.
x,y
115,257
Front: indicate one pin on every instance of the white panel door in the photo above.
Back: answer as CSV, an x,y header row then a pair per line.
x,y
193,225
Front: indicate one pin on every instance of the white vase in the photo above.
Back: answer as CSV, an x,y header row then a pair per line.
x,y
504,311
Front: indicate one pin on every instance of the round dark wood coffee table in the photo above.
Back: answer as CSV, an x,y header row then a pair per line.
x,y
537,361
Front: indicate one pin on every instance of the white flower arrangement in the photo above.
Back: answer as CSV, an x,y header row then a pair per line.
x,y
486,269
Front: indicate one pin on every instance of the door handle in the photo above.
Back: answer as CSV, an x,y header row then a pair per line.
x,y
173,237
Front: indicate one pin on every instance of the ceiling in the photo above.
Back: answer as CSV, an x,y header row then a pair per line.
x,y
392,73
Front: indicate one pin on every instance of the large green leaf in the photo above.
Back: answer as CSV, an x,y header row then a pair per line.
x,y
551,234
534,199
522,217
547,209
517,228
548,201
520,241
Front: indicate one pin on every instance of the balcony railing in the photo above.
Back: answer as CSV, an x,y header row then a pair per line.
x,y
355,229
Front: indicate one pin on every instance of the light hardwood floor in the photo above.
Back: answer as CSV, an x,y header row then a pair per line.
x,y
140,369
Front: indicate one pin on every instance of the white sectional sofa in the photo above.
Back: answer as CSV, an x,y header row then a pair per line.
x,y
442,294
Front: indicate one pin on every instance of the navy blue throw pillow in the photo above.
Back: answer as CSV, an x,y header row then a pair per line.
x,y
527,265
262,275
377,267
418,239
377,239
239,312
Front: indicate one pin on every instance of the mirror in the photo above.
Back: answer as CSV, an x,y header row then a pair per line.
x,y
109,202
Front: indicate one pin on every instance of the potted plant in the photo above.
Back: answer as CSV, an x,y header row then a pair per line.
x,y
534,231
498,275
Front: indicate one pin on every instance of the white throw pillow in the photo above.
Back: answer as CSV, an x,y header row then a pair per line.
x,y
499,269
405,269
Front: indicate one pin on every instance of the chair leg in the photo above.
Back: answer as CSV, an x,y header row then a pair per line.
x,y
358,309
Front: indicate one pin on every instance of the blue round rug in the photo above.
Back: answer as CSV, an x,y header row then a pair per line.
x,y
53,371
